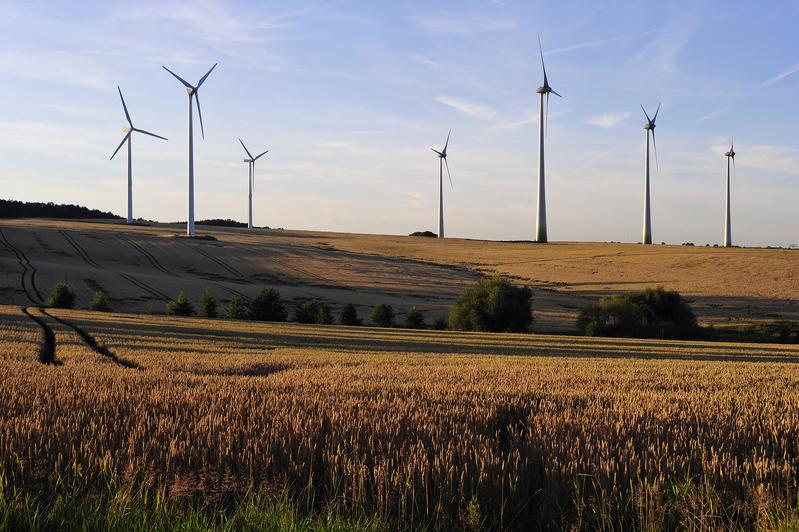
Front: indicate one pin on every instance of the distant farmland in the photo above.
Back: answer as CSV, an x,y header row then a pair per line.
x,y
437,428
139,267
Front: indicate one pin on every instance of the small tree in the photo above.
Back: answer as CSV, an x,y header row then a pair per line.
x,y
349,316
414,319
267,306
238,309
306,312
179,306
313,312
383,315
440,324
99,302
493,304
207,305
62,296
324,316
650,313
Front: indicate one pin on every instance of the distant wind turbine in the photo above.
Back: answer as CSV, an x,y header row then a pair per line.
x,y
442,161
541,215
727,222
251,167
649,127
193,92
128,131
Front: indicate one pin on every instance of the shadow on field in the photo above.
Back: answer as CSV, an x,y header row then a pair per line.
x,y
263,336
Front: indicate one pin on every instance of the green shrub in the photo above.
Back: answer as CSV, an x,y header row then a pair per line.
x,y
99,302
207,305
179,306
267,306
324,316
383,315
414,319
238,309
493,304
313,312
62,296
349,315
440,324
306,312
650,313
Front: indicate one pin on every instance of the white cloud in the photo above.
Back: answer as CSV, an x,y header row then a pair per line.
x,y
713,114
782,75
476,110
462,26
607,120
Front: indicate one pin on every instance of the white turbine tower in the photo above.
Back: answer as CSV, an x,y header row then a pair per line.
x,y
727,222
649,127
193,93
442,161
128,131
251,180
541,214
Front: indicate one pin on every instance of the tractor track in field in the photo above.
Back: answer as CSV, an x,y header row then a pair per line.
x,y
149,256
153,260
297,269
28,271
131,279
218,261
91,341
47,345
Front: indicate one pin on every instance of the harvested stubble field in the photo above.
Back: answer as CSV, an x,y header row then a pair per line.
x,y
139,267
441,429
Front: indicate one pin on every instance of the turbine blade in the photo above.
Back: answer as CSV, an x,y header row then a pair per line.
x,y
252,176
202,79
151,134
186,83
245,149
655,145
555,93
437,152
261,155
734,173
447,143
125,107
120,146
656,114
646,114
199,112
541,53
448,174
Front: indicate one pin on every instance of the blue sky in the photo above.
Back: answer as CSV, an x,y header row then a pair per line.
x,y
350,96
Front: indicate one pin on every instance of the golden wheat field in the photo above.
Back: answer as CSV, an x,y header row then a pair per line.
x,y
423,427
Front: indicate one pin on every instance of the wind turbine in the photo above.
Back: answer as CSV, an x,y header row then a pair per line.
x,y
649,127
251,167
193,92
727,229
127,138
442,161
541,215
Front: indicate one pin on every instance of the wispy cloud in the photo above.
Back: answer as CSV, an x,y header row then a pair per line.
x,y
713,114
770,157
426,61
781,76
599,42
476,110
607,120
62,67
463,25
529,118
